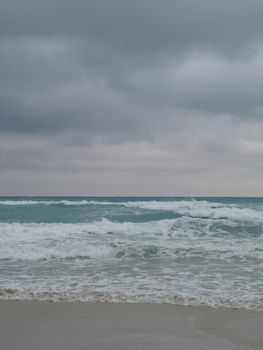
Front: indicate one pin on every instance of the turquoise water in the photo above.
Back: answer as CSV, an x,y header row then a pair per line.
x,y
194,251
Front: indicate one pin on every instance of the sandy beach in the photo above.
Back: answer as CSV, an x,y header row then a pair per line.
x,y
43,325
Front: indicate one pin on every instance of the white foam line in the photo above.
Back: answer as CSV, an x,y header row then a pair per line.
x,y
65,202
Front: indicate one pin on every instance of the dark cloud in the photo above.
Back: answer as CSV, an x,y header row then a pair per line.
x,y
140,24
47,86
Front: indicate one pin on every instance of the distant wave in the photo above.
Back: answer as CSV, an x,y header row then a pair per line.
x,y
202,209
63,202
194,208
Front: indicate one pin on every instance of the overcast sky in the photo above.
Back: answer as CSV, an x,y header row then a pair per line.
x,y
141,97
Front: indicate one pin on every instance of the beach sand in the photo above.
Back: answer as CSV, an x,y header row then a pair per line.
x,y
75,326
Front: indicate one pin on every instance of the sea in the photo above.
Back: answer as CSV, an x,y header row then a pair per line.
x,y
180,250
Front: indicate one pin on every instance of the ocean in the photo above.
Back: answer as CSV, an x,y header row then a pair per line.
x,y
189,251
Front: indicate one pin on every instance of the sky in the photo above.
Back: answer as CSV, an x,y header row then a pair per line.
x,y
142,97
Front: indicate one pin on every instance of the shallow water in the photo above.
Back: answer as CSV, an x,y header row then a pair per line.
x,y
206,251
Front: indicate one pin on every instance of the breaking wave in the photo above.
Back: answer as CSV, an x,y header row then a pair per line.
x,y
183,236
185,251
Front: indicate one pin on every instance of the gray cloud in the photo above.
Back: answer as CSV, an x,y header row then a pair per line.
x,y
118,91
140,24
50,89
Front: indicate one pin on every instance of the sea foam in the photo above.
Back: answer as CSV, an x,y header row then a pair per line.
x,y
117,250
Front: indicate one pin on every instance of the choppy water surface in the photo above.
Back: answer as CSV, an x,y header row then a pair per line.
x,y
205,251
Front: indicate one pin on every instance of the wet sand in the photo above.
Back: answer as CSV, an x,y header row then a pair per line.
x,y
75,326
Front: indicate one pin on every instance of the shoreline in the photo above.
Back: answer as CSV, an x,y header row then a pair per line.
x,y
98,301
76,325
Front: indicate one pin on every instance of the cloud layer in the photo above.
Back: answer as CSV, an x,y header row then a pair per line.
x,y
129,98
